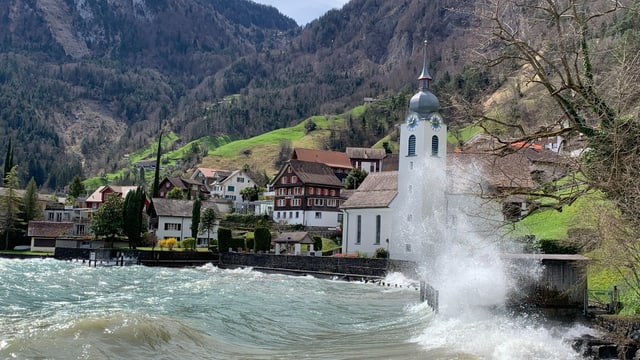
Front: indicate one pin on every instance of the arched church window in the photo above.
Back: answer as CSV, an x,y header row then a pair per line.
x,y
434,145
412,146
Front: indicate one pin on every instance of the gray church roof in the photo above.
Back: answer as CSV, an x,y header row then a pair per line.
x,y
377,190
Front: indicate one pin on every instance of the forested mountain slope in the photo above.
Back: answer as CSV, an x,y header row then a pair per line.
x,y
83,82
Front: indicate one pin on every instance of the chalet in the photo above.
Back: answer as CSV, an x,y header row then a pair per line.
x,y
190,188
230,187
307,193
339,162
172,218
100,195
367,159
208,176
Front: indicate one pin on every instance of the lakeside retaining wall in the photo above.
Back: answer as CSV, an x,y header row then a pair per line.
x,y
311,264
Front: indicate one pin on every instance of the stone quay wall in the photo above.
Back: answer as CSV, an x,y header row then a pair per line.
x,y
363,267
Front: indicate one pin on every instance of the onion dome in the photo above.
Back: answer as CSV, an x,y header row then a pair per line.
x,y
424,102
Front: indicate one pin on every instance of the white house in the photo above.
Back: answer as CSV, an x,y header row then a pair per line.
x,y
173,218
230,187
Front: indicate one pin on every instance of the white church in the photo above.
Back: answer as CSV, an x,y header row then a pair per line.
x,y
406,212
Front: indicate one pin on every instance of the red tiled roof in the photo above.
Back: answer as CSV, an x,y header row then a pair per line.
x,y
333,159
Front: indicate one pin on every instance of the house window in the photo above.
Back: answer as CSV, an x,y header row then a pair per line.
x,y
326,191
282,202
297,214
294,179
434,145
318,215
412,146
289,169
231,188
278,214
291,214
310,190
318,202
332,203
296,202
240,179
283,180
333,192
173,226
50,216
284,214
309,202
378,227
359,229
167,185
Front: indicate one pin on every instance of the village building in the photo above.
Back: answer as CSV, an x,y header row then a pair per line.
x,y
290,243
308,194
188,187
339,162
208,176
367,214
99,196
230,188
172,218
367,159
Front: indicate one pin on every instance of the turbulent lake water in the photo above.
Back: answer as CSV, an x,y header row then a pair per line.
x,y
67,310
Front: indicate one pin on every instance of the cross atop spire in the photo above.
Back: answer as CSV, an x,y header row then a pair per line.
x,y
425,77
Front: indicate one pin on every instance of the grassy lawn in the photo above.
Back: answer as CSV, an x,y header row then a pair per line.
x,y
26,252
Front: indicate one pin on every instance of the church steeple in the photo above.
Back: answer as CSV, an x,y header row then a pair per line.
x,y
425,78
424,102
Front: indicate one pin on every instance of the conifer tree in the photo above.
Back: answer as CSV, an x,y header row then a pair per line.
x,y
156,179
132,216
30,209
8,160
76,188
10,203
195,217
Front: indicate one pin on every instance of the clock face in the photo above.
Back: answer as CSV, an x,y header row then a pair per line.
x,y
412,121
436,121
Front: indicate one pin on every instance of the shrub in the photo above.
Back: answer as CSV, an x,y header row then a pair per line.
x,y
169,243
317,243
250,243
189,243
224,239
548,246
262,241
380,253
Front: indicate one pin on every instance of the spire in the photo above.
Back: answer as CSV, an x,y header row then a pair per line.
x,y
425,77
424,102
